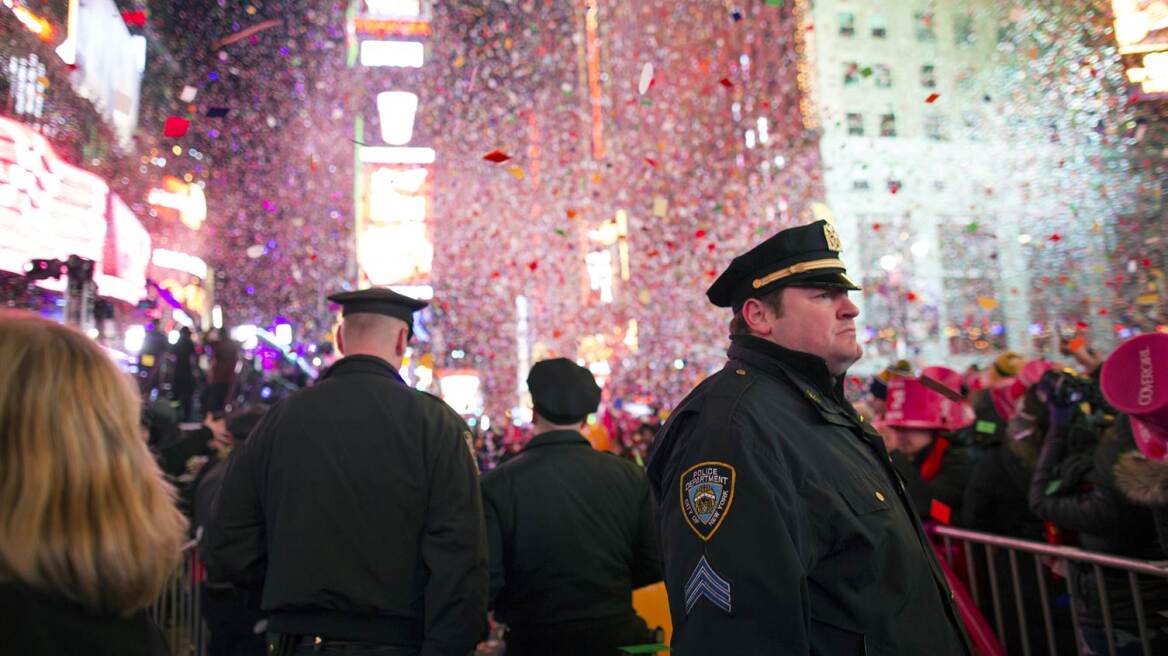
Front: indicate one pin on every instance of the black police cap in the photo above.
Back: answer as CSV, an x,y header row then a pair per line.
x,y
562,391
379,300
806,256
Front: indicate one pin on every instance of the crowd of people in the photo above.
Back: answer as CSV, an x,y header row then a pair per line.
x,y
362,516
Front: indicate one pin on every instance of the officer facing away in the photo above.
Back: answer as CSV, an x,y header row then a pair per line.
x,y
570,530
784,527
356,504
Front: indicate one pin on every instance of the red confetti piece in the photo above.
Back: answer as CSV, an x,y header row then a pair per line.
x,y
495,274
711,246
496,156
893,188
910,297
876,227
134,18
533,265
1146,262
571,213
1055,237
1081,325
932,98
175,126
1102,312
651,162
940,512
699,234
726,82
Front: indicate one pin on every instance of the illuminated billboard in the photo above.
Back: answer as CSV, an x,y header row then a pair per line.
x,y
1141,31
393,244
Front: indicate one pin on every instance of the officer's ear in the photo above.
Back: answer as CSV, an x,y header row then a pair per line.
x,y
757,316
341,338
403,339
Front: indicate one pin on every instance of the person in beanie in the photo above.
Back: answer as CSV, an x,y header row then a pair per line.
x,y
570,530
355,502
784,527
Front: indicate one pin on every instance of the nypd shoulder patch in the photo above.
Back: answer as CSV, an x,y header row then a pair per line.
x,y
707,490
704,583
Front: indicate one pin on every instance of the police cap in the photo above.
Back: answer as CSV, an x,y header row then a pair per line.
x,y
562,391
379,300
806,256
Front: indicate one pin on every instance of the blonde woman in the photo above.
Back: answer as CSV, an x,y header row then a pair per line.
x,y
89,531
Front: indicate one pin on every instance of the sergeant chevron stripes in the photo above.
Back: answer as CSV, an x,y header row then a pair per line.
x,y
705,582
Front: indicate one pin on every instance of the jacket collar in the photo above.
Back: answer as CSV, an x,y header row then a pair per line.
x,y
552,438
362,364
805,369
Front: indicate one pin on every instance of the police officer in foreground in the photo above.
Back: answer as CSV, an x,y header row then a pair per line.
x,y
570,530
784,527
356,504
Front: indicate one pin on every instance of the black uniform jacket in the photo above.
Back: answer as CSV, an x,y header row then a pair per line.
x,y
784,527
570,531
357,502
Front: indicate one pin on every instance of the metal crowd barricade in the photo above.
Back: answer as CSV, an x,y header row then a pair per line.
x,y
177,611
1056,559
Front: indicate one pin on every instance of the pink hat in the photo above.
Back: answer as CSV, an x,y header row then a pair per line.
x,y
1135,382
1032,371
945,376
911,404
957,414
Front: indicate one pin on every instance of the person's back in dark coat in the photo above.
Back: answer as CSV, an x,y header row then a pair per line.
x,y
570,533
49,625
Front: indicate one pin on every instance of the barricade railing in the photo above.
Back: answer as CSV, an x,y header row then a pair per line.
x,y
1094,585
178,612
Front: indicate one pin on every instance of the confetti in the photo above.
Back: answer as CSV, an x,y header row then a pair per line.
x,y
497,156
245,33
188,94
932,98
517,172
175,126
217,112
646,78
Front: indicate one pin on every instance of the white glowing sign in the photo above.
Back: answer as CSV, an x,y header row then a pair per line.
x,y
393,245
177,261
187,199
462,392
396,110
395,155
400,54
48,208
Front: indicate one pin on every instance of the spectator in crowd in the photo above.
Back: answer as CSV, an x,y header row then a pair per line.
x,y
89,533
1086,500
221,378
232,613
183,381
935,470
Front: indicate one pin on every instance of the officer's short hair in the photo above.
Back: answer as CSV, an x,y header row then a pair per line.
x,y
773,300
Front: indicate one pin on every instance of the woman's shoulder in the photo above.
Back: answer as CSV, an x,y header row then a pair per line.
x,y
42,623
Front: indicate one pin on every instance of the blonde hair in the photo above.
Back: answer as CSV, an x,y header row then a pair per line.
x,y
84,510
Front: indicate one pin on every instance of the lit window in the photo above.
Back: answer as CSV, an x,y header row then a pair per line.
x,y
925,24
879,27
963,34
888,125
396,111
929,76
855,125
401,54
934,127
851,73
847,22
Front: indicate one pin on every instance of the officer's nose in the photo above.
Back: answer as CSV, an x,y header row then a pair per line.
x,y
847,309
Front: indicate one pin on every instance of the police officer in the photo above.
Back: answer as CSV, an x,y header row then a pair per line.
x,y
570,530
784,527
356,503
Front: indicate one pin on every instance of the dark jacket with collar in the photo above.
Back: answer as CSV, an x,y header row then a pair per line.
x,y
570,532
45,624
807,543
356,502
